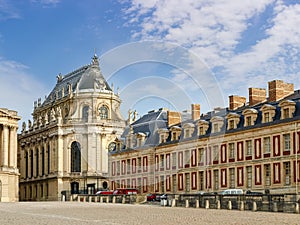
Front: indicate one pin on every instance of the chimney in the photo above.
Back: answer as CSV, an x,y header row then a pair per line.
x,y
257,95
236,101
173,118
278,89
195,111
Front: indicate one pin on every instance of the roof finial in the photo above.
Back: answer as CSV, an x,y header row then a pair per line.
x,y
95,60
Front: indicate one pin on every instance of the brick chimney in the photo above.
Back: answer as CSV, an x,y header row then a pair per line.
x,y
257,95
236,101
195,111
278,89
173,118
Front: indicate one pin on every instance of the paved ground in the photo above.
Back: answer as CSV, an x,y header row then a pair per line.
x,y
59,213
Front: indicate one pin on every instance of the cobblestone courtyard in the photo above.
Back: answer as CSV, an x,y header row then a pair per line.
x,y
95,213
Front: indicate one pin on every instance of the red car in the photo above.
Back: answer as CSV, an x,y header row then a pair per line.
x,y
151,197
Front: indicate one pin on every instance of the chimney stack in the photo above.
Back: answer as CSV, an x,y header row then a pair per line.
x,y
195,111
278,89
173,118
236,101
257,95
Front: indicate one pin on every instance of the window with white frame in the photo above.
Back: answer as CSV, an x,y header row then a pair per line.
x,y
287,142
249,176
232,178
268,112
231,150
287,173
287,108
216,152
249,147
267,145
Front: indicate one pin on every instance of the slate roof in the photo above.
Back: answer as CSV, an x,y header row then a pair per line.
x,y
151,122
86,77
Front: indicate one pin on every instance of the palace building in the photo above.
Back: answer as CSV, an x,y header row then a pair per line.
x,y
65,147
9,172
252,145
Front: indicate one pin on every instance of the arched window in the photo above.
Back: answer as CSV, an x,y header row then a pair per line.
x,y
85,113
75,157
103,112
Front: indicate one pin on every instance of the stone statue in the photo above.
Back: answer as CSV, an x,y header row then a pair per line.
x,y
23,126
29,124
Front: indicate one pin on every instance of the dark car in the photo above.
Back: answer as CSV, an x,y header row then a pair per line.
x,y
151,197
253,193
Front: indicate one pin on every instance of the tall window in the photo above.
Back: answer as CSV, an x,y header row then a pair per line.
x,y
249,176
287,169
231,150
267,145
216,153
26,165
287,142
103,112
43,161
48,159
249,147
75,157
31,163
37,163
231,124
85,113
232,177
216,179
268,174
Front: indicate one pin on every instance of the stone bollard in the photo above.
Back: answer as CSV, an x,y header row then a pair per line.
x,y
84,198
254,208
173,202
90,198
218,204
101,199
123,200
187,204
114,199
229,205
242,206
297,208
206,204
97,199
78,198
71,198
275,208
197,203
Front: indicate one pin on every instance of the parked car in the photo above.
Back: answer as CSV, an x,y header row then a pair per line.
x,y
248,192
232,192
104,192
125,191
151,197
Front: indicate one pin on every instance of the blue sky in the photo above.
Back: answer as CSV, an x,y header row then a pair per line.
x,y
236,44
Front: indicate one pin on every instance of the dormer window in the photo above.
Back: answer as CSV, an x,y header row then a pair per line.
x,y
217,124
287,109
268,112
163,135
175,133
250,117
188,130
140,137
233,120
202,127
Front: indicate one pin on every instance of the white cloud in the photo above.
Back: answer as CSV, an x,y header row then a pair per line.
x,y
217,32
18,88
47,3
7,10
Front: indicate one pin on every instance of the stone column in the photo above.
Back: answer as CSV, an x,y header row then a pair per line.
x,y
12,148
5,146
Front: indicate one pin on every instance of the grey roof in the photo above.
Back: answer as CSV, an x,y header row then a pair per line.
x,y
86,77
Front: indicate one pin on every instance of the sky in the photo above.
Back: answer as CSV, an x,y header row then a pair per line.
x,y
157,53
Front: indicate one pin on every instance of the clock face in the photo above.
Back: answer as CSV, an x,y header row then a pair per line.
x,y
111,146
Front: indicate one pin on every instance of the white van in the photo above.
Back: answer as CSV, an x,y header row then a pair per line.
x,y
232,192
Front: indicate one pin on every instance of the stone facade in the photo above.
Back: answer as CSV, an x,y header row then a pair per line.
x,y
250,147
65,148
9,172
